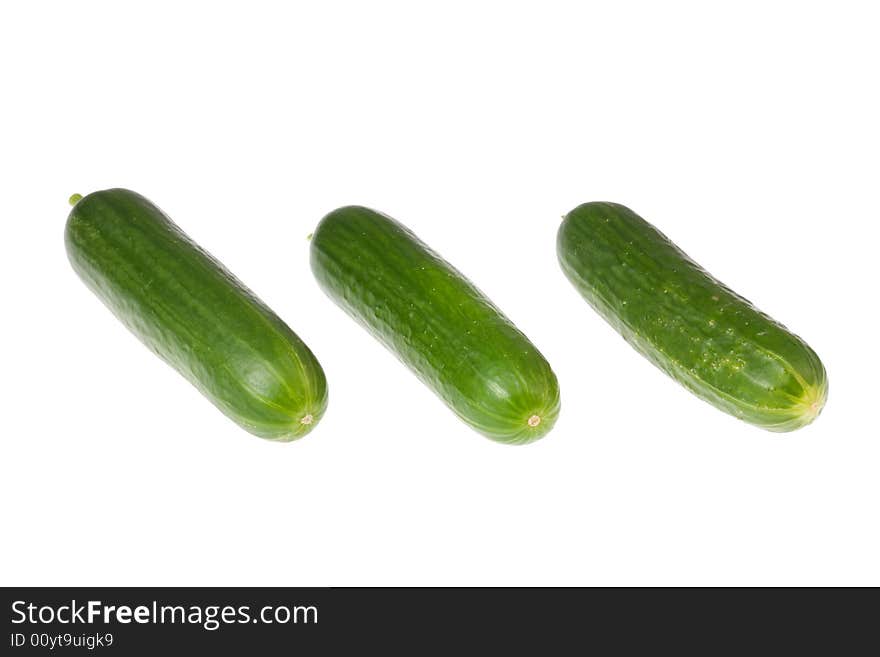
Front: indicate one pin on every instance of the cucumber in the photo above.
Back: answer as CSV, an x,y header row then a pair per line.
x,y
437,323
692,327
185,306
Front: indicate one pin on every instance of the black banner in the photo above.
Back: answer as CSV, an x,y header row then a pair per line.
x,y
150,621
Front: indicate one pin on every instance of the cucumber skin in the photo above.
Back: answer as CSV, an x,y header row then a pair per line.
x,y
188,309
692,327
436,322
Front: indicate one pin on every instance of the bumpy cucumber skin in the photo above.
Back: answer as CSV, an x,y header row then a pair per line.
x,y
692,327
437,323
188,309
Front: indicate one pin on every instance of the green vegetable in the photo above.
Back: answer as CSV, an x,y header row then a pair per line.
x,y
194,314
702,334
455,340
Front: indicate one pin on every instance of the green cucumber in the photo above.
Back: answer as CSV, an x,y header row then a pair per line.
x,y
186,307
437,323
692,327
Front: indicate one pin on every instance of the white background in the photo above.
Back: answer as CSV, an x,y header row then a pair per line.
x,y
748,132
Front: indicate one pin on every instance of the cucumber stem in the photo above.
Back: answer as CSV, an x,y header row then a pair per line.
x,y
307,419
534,421
74,199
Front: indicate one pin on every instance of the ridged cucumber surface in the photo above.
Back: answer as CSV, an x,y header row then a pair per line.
x,y
185,306
437,323
695,329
